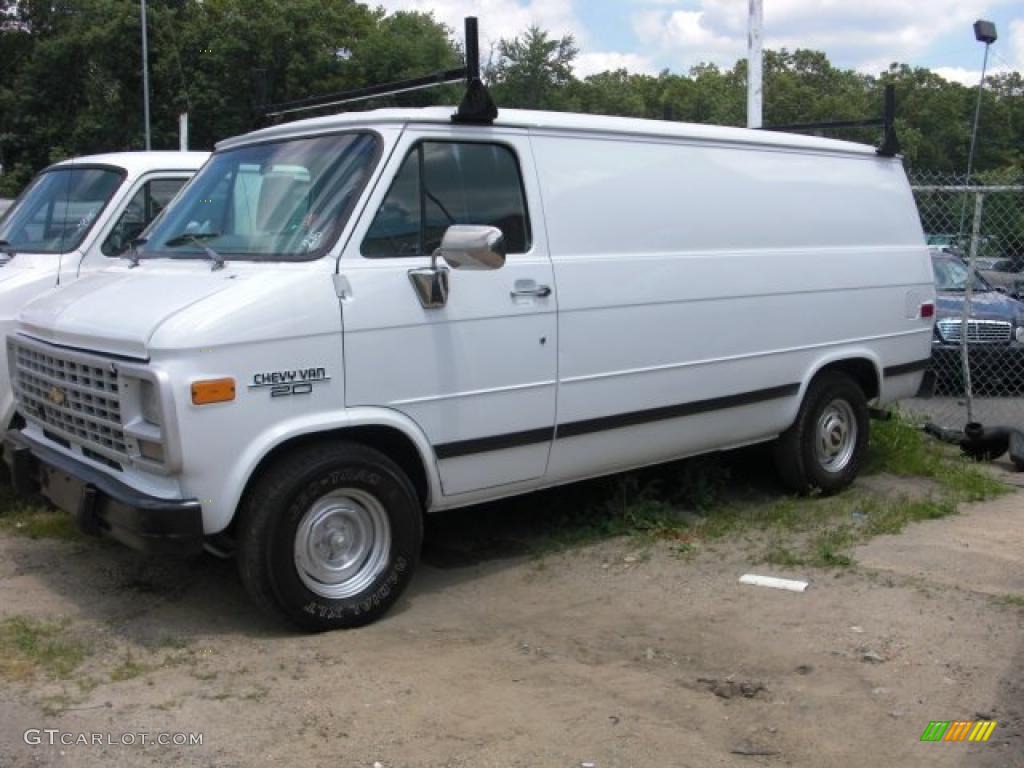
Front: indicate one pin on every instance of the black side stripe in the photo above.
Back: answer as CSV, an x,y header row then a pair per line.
x,y
494,443
914,367
617,421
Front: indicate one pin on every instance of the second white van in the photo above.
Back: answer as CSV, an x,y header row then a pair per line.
x,y
75,217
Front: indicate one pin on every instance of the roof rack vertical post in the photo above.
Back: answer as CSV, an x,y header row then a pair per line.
x,y
890,142
472,50
477,106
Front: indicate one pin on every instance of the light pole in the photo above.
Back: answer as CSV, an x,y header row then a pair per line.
x,y
755,24
984,32
145,75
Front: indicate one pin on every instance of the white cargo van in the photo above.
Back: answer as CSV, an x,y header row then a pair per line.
x,y
348,321
73,218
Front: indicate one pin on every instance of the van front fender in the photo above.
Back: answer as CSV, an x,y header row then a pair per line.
x,y
217,516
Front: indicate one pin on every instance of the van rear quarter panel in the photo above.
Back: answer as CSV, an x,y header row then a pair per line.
x,y
688,272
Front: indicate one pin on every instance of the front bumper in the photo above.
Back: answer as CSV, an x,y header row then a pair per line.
x,y
102,504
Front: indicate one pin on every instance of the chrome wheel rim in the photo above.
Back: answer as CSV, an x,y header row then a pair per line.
x,y
342,543
836,436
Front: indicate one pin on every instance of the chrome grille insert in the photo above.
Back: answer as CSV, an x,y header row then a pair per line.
x,y
73,395
978,331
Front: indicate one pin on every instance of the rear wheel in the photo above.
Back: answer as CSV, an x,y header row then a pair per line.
x,y
329,536
824,448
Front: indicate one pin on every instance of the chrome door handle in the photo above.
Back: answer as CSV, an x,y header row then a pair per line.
x,y
539,291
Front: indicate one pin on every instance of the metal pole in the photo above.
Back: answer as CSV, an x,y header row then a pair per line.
x,y
974,139
983,32
183,131
977,115
979,202
754,64
145,74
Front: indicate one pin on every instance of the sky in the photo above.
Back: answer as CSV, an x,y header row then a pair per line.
x,y
651,35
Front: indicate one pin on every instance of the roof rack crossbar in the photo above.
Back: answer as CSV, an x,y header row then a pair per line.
x,y
369,92
477,106
890,142
877,122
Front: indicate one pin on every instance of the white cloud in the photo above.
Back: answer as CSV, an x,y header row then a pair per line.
x,y
498,18
965,76
853,32
687,31
603,61
1015,44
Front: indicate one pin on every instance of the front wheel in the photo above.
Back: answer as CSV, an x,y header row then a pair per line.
x,y
825,447
329,536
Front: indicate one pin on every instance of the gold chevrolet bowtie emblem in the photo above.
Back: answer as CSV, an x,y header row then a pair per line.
x,y
56,395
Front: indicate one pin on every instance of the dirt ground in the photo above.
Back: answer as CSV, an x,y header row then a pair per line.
x,y
608,654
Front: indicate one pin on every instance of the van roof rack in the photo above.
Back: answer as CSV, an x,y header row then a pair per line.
x,y
477,106
890,142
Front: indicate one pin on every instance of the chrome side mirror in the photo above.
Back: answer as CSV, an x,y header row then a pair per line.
x,y
463,246
473,247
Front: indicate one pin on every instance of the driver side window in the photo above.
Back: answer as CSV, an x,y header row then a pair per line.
x,y
442,183
152,197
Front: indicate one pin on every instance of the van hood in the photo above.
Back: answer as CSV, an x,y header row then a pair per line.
x,y
117,312
22,260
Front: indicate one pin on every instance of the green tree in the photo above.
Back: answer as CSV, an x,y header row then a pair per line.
x,y
533,71
70,80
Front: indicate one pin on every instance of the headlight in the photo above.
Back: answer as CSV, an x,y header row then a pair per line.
x,y
149,402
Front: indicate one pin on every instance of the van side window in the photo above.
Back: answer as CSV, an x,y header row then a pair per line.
x,y
442,183
152,197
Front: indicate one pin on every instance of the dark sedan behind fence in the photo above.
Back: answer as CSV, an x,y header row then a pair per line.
x,y
980,378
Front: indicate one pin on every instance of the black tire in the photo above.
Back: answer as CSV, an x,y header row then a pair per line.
x,y
318,477
797,458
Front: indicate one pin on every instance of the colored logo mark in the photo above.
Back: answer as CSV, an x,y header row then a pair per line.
x,y
958,730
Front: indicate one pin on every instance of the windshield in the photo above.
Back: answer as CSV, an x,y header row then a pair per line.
x,y
951,275
57,210
286,200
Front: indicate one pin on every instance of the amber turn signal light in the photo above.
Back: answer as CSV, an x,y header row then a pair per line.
x,y
213,391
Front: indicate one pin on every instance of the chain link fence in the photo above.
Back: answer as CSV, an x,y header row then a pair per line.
x,y
977,236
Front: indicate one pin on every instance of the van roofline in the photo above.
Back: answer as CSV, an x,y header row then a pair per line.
x,y
135,163
553,121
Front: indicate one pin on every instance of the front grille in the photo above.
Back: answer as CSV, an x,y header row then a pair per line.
x,y
75,396
978,331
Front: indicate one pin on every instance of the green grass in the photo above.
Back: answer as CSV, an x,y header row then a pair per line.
x,y
650,504
128,669
1017,600
29,647
790,531
781,553
35,522
899,447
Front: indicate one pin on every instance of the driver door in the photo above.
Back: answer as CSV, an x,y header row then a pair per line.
x,y
478,375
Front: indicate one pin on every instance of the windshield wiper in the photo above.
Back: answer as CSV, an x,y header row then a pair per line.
x,y
198,238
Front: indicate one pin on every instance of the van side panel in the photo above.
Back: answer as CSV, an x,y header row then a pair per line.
x,y
699,286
